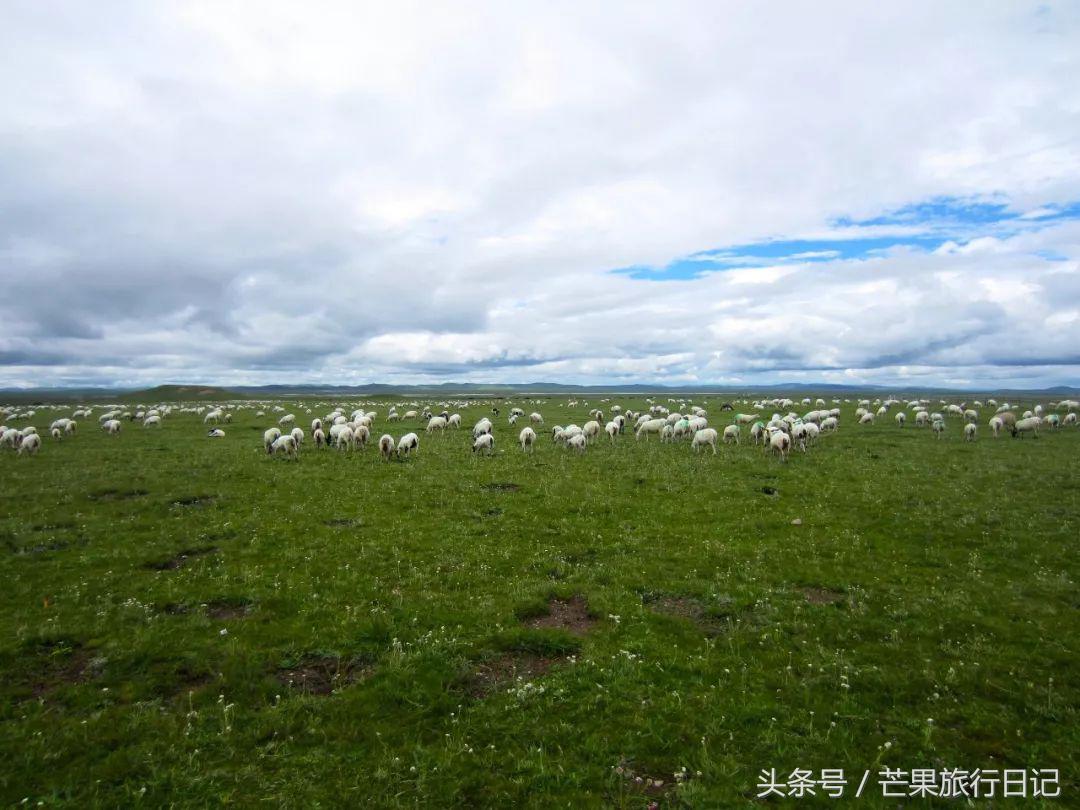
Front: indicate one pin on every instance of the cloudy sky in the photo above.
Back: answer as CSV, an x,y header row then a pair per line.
x,y
247,193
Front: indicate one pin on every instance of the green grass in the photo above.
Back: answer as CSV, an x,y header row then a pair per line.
x,y
941,578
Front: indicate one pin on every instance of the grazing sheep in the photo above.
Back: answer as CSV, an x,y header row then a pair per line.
x,y
344,438
612,430
536,418
901,417
577,442
649,426
30,444
780,442
996,425
527,438
298,436
746,418
731,434
1052,421
481,427
152,421
112,427
435,423
938,426
454,421
318,437
269,437
667,433
706,436
386,446
287,419
316,424
216,433
969,432
10,438
1008,419
410,443
591,430
56,433
361,434
921,418
1029,425
866,419
484,442
1070,419
284,444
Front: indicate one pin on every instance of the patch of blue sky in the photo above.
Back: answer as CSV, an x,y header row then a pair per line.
x,y
923,226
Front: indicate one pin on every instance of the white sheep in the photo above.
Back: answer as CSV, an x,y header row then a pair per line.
x,y
612,430
386,446
706,436
286,420
527,438
454,421
285,444
901,417
731,434
319,437
152,421
298,436
316,424
410,443
269,437
536,418
435,423
361,434
938,426
921,418
591,430
112,427
30,444
780,442
216,433
577,442
344,438
969,432
1028,425
649,426
866,419
481,427
56,433
484,442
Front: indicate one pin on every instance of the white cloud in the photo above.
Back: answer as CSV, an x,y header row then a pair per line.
x,y
405,192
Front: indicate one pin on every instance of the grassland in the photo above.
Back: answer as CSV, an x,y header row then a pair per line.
x,y
187,621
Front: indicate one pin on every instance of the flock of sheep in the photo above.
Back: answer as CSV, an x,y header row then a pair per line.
x,y
780,433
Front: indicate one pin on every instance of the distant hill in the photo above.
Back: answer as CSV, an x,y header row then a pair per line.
x,y
181,393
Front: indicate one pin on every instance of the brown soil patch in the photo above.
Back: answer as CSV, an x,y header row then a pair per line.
x,y
195,500
502,487
224,609
116,494
686,607
571,615
322,674
181,559
821,596
343,522
63,663
491,675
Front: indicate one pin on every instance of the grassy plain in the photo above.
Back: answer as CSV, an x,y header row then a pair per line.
x,y
187,621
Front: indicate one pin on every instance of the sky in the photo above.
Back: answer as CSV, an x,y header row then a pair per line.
x,y
604,193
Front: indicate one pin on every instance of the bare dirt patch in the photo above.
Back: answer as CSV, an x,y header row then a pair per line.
x,y
322,674
502,487
195,500
342,522
711,621
772,492
571,615
821,596
116,494
63,663
181,559
491,675
224,609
